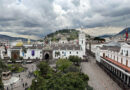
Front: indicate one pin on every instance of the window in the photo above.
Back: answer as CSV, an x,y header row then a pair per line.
x,y
70,52
77,52
82,41
62,52
127,53
122,52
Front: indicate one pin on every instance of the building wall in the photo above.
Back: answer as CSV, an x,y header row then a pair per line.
x,y
125,50
37,54
114,56
119,57
67,53
97,54
1,54
63,41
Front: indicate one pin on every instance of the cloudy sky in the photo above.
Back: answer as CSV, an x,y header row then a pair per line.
x,y
40,17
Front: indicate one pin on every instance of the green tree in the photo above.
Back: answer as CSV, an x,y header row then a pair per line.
x,y
75,59
1,84
63,64
72,68
38,83
44,68
57,53
3,66
60,81
21,58
68,81
13,60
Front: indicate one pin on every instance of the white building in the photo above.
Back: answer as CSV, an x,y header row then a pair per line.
x,y
116,59
63,40
2,52
64,49
67,50
31,52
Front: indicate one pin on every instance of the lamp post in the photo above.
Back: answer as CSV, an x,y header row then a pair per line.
x,y
35,83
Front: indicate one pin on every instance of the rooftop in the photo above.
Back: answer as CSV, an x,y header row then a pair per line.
x,y
117,64
111,48
66,47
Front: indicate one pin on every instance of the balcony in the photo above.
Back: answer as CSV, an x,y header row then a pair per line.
x,y
126,68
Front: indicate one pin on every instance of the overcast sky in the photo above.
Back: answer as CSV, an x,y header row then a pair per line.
x,y
39,17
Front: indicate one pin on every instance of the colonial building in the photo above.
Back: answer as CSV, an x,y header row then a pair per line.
x,y
63,49
116,61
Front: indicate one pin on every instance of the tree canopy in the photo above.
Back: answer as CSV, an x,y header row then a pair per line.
x,y
44,68
59,81
63,64
75,59
67,77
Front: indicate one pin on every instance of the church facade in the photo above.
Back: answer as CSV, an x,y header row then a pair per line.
x,y
50,51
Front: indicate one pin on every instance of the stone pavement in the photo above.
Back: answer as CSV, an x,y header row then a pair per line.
x,y
98,79
24,78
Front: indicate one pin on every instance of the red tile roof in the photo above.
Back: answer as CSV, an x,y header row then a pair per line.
x,y
118,64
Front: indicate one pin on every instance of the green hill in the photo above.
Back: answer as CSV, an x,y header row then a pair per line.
x,y
70,34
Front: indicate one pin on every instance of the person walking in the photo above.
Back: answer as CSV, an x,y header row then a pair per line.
x,y
26,84
23,84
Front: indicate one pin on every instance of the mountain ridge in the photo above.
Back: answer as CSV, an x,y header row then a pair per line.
x,y
6,37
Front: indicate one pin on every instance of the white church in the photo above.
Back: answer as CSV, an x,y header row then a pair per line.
x,y
48,51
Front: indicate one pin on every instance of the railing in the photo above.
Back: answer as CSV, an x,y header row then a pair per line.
x,y
117,63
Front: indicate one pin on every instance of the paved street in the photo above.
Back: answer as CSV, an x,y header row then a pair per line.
x,y
99,80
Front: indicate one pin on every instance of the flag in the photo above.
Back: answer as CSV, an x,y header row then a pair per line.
x,y
126,35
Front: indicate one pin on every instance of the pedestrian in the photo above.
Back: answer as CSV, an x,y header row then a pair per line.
x,y
23,84
26,84
7,88
19,75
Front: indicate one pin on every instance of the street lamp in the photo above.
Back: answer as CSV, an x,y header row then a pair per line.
x,y
35,83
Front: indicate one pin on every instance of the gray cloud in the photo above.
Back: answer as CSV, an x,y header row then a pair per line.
x,y
40,17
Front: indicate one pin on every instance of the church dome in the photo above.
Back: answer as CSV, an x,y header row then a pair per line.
x,y
20,43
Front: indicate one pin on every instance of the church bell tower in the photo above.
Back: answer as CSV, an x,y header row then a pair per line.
x,y
82,41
